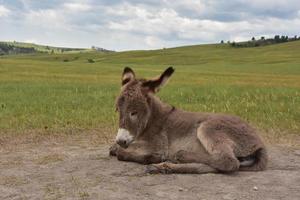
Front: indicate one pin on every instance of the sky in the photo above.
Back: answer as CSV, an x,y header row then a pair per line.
x,y
136,24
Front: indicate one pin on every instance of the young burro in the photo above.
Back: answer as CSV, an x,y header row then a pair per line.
x,y
171,140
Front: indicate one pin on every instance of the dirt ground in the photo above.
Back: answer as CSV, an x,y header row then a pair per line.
x,y
80,168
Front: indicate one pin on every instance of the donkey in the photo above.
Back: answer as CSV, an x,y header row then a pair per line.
x,y
170,140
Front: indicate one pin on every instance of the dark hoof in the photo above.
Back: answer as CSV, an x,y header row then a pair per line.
x,y
112,153
113,150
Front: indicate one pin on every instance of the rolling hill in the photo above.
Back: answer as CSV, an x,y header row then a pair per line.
x,y
15,48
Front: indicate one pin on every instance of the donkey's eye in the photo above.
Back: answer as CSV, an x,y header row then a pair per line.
x,y
132,114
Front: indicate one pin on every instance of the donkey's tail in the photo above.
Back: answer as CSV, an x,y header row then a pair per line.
x,y
259,163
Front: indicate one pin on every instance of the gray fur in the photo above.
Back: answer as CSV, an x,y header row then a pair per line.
x,y
171,139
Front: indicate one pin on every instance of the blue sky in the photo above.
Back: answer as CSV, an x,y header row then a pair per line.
x,y
136,24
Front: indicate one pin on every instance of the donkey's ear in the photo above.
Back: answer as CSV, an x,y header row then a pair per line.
x,y
127,75
155,84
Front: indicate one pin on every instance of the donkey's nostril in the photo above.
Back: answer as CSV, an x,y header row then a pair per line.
x,y
122,143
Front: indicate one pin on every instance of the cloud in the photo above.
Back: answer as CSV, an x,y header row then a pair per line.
x,y
4,12
166,23
147,24
77,7
31,41
153,42
46,19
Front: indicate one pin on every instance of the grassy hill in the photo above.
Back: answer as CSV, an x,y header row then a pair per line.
x,y
66,93
8,48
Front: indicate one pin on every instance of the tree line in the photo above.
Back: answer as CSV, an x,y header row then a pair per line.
x,y
262,41
7,49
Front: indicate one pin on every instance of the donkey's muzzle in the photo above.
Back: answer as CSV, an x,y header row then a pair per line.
x,y
122,143
124,138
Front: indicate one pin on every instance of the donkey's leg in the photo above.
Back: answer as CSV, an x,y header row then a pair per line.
x,y
183,156
135,153
217,154
113,149
187,168
219,148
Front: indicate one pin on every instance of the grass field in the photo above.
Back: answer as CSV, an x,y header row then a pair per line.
x,y
45,94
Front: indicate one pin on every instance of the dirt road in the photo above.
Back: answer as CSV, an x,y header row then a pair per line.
x,y
49,169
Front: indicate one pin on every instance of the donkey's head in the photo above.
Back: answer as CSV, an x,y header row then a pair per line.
x,y
134,104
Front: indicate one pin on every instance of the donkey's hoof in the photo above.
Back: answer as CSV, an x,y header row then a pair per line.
x,y
112,153
151,169
113,150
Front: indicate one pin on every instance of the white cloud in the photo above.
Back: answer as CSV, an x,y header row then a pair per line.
x,y
148,24
192,5
163,21
127,10
4,12
31,41
47,18
154,42
162,24
77,7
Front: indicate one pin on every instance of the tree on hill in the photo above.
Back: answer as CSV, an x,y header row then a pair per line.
x,y
8,49
263,41
283,38
277,38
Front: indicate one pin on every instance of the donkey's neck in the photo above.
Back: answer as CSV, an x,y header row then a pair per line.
x,y
159,114
159,109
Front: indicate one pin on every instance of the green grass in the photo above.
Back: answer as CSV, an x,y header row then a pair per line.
x,y
262,85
